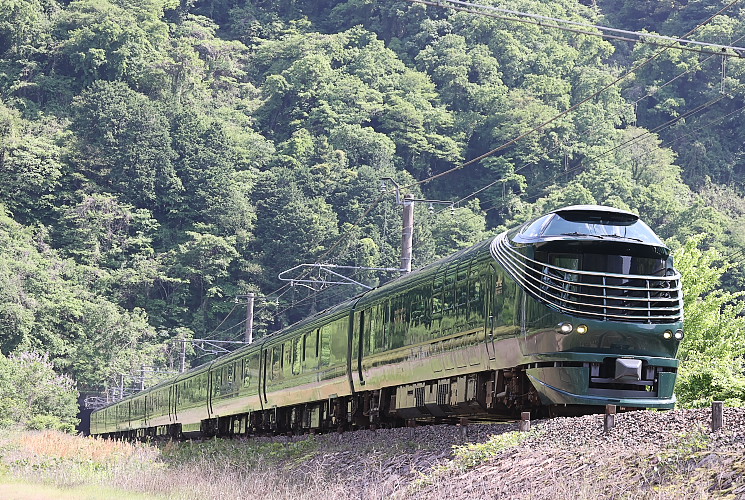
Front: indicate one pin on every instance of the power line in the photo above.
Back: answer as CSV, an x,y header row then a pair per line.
x,y
535,129
630,142
602,31
212,333
657,89
570,109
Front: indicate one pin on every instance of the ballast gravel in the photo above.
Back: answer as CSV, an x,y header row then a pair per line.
x,y
647,454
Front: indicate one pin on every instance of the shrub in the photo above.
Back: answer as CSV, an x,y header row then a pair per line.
x,y
34,396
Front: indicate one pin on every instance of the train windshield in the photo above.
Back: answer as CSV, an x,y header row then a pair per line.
x,y
599,227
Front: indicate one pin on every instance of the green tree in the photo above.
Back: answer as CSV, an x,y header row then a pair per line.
x,y
99,39
124,145
99,231
34,395
713,352
205,160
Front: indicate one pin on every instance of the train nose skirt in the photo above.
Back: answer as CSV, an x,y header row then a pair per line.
x,y
628,369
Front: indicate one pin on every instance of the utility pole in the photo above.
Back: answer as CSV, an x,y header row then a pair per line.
x,y
249,335
182,364
407,233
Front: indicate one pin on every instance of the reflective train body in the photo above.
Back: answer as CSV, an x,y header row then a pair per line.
x,y
569,312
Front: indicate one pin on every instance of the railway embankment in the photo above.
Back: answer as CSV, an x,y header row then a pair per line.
x,y
647,454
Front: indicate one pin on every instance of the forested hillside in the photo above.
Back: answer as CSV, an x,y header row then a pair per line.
x,y
158,158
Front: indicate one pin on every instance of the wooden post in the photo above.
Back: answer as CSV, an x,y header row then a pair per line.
x,y
610,418
411,424
717,415
463,424
524,425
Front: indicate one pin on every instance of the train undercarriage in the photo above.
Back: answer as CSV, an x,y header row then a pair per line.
x,y
493,395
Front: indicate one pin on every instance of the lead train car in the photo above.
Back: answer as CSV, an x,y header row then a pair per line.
x,y
577,309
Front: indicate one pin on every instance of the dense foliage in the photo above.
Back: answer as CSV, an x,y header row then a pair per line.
x,y
159,158
34,396
713,353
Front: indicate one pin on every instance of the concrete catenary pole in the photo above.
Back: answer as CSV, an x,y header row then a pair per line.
x,y
249,335
182,367
407,234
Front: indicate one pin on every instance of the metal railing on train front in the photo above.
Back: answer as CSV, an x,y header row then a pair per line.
x,y
604,296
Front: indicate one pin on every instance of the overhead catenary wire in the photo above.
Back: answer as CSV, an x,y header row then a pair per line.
x,y
534,129
547,184
587,29
556,117
680,75
649,94
614,148
540,126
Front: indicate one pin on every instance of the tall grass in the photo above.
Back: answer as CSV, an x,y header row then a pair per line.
x,y
206,470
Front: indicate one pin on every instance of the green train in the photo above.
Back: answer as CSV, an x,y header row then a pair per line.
x,y
577,309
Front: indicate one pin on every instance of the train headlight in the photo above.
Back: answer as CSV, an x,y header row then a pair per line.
x,y
582,329
678,335
564,328
668,334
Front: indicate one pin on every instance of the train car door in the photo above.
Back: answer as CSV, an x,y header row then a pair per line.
x,y
209,391
264,361
355,349
488,284
171,399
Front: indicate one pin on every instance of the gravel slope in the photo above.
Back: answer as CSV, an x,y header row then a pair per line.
x,y
648,454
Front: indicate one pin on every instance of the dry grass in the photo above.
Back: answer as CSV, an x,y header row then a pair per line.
x,y
183,471
67,446
361,467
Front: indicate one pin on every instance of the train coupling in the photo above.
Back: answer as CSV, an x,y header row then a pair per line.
x,y
628,369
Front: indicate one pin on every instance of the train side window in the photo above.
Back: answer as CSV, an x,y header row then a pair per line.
x,y
387,324
366,331
339,340
231,374
438,288
399,322
288,361
475,301
297,355
311,347
417,303
448,296
216,382
325,346
240,366
374,330
462,292
277,361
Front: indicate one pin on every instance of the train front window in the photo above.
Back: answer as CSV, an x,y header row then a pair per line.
x,y
600,228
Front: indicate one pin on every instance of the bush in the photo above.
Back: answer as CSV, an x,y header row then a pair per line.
x,y
712,353
34,396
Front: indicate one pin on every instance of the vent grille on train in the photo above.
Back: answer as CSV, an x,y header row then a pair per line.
x,y
604,296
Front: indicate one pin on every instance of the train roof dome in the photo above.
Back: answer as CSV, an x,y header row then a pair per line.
x,y
577,209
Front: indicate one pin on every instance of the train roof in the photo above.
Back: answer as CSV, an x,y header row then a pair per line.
x,y
596,209
589,225
425,273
